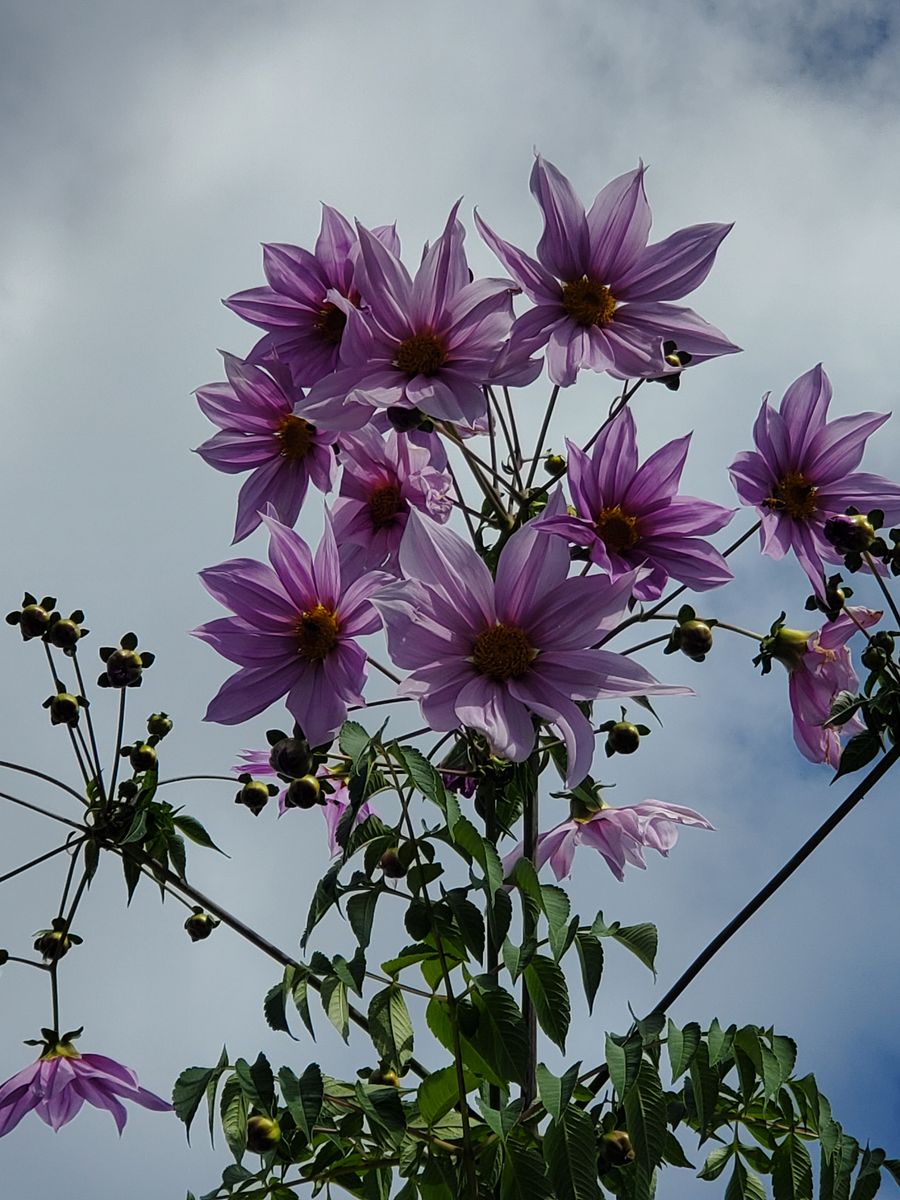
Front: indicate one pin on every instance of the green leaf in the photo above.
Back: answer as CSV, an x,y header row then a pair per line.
x,y
361,913
705,1087
390,1028
744,1185
336,1005
556,1092
623,1059
191,828
233,1112
673,1152
177,853
837,1167
858,753
324,898
299,988
546,986
556,905
468,920
868,1179
481,850
91,858
682,1046
516,958
424,776
257,1081
354,741
303,1096
645,1119
188,1091
570,1152
590,955
439,1093
274,1009
642,941
716,1162
792,1171
212,1087
892,1166
500,1039
720,1042
523,1175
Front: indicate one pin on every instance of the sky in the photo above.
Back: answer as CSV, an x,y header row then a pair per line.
x,y
148,150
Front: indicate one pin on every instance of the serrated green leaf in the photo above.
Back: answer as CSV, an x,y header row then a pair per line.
x,y
570,1152
556,905
681,1045
424,776
673,1152
858,753
645,1119
296,981
720,1042
792,1171
211,1088
837,1167
354,741
590,956
274,1009
868,1178
439,1093
523,1176
705,1088
303,1096
716,1162
361,914
192,828
233,1113
642,941
390,1028
335,1004
623,1060
744,1185
546,986
189,1089
324,898
556,1091
257,1081
469,921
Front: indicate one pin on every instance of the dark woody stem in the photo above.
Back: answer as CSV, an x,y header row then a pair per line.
x,y
11,766
884,588
36,861
597,1078
119,727
45,812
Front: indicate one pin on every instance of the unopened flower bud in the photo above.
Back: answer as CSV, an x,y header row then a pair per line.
x,y
63,708
254,794
159,724
200,924
385,1076
305,792
789,646
623,738
873,658
555,465
65,632
263,1134
33,619
404,419
291,757
124,666
54,943
127,789
142,757
849,534
392,864
695,639
616,1148
4,957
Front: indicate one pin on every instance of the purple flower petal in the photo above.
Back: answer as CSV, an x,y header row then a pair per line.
x,y
563,247
618,224
673,267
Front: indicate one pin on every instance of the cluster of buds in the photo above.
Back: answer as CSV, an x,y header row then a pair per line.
x,y
64,707
784,645
124,665
39,619
678,359
856,537
142,754
692,635
54,943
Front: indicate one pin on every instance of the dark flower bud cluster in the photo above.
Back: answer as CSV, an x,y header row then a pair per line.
x,y
837,593
54,943
159,725
555,465
692,635
200,924
124,665
141,755
405,420
40,619
254,794
879,652
856,537
677,359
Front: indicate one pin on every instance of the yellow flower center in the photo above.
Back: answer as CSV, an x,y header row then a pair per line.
x,y
795,496
502,652
330,323
317,633
60,1050
421,354
588,302
384,503
296,437
617,530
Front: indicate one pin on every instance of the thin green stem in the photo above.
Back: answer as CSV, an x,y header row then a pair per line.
x,y
45,812
514,430
119,728
90,724
28,962
873,567
191,778
46,778
36,861
461,504
545,425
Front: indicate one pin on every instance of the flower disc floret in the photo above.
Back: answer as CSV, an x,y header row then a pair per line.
x,y
588,302
618,530
317,633
793,495
297,437
421,354
384,503
502,652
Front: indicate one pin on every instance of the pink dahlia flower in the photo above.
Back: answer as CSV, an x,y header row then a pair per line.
x,y
803,471
629,516
493,655
262,434
818,672
337,801
428,343
304,306
293,633
383,479
57,1085
601,293
620,834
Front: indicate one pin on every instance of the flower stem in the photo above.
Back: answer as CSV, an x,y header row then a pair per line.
x,y
90,724
45,812
529,846
11,766
598,1077
545,425
36,861
119,727
884,588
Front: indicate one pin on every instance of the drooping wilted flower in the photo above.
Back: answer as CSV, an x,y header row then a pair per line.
x,y
262,434
58,1084
490,655
382,479
803,471
304,306
601,293
620,834
629,516
293,633
428,343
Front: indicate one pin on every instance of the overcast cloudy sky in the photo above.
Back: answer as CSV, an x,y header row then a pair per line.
x,y
147,150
